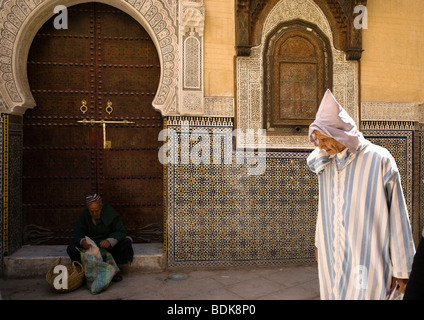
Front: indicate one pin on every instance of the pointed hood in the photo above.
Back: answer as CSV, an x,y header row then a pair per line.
x,y
333,121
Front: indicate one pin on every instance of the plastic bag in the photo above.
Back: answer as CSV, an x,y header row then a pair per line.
x,y
98,272
94,249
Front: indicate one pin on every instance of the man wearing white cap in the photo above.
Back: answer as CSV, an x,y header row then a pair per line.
x,y
364,244
101,223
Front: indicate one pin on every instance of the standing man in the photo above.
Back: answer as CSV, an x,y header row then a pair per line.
x,y
363,240
101,223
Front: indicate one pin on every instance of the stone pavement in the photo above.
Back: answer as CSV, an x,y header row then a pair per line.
x,y
256,283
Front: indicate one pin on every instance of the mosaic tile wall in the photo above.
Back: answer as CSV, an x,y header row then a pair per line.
x,y
15,218
421,179
219,215
398,138
1,196
11,205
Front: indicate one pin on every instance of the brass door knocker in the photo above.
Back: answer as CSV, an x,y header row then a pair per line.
x,y
84,107
109,108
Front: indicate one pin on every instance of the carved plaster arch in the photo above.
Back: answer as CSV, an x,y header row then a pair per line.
x,y
20,20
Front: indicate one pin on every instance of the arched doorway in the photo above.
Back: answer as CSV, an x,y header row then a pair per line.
x,y
103,67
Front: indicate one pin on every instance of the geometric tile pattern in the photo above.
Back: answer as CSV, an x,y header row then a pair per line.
x,y
421,179
219,215
400,143
1,194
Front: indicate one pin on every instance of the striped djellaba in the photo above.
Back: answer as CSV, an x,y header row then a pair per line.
x,y
363,233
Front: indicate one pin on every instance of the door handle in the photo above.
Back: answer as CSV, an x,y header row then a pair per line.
x,y
109,108
83,107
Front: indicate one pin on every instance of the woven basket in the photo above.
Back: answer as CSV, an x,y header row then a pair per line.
x,y
75,276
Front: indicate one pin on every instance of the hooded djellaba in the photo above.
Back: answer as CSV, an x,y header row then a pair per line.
x,y
363,235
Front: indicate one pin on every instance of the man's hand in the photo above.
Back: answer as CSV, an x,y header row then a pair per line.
x,y
105,244
401,282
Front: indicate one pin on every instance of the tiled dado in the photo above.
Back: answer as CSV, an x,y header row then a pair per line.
x,y
219,215
11,185
400,138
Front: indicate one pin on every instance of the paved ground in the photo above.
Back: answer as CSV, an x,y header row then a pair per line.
x,y
260,283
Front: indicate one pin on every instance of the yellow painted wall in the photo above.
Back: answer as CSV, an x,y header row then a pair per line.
x,y
219,48
392,65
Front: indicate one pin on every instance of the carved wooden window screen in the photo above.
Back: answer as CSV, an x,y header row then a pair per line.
x,y
298,67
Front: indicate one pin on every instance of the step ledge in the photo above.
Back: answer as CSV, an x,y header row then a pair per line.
x,y
34,261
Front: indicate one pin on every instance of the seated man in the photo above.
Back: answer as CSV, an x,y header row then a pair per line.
x,y
101,223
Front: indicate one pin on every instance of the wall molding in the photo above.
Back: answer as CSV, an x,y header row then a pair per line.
x,y
392,111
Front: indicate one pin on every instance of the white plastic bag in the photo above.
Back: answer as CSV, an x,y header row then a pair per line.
x,y
94,250
98,273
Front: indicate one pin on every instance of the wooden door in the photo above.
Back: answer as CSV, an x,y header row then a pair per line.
x,y
104,55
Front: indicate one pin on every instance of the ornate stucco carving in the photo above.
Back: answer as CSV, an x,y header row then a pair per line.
x,y
250,74
250,15
20,20
191,39
388,111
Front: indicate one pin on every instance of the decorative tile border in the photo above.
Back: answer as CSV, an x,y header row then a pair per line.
x,y
421,179
398,138
2,249
5,186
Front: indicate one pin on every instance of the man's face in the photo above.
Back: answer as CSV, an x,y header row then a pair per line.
x,y
95,209
330,145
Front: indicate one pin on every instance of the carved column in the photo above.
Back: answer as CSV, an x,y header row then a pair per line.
x,y
191,57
